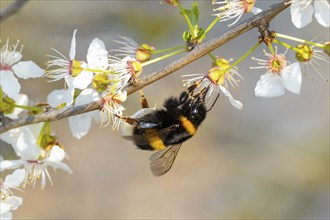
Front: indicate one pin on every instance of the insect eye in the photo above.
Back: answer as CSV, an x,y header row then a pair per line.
x,y
194,109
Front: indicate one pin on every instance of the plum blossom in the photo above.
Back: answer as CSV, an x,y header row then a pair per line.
x,y
35,160
279,76
112,108
302,12
8,201
218,79
11,67
310,59
125,70
234,9
128,47
78,73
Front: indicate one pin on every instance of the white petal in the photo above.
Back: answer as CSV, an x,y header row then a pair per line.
x,y
10,137
61,165
27,147
291,77
57,154
4,211
9,83
11,57
83,80
15,179
322,9
27,69
10,164
301,15
269,85
237,104
87,96
256,10
35,129
72,53
70,90
96,116
14,201
97,56
57,97
80,125
21,99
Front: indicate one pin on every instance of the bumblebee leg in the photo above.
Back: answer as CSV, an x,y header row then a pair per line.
x,y
143,100
129,120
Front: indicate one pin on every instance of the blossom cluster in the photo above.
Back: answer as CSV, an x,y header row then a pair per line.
x,y
105,74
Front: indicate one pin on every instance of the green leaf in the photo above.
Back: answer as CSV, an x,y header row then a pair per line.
x,y
195,11
186,36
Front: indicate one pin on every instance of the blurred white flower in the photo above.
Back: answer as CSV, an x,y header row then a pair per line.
x,y
21,100
10,65
279,76
302,12
8,201
35,160
234,9
12,135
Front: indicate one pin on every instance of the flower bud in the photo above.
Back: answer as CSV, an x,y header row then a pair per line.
x,y
305,53
171,2
143,53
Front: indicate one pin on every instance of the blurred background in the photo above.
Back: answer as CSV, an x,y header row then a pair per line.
x,y
269,161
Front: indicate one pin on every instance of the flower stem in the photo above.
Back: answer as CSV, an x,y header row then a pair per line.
x,y
214,58
183,12
270,46
242,57
162,57
299,40
211,25
168,49
29,108
287,45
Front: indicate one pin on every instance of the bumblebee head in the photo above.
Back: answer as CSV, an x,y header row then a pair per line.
x,y
193,105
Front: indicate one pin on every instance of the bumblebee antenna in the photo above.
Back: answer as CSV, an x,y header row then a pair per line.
x,y
213,103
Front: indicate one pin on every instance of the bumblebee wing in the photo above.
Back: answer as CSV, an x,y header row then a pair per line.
x,y
162,161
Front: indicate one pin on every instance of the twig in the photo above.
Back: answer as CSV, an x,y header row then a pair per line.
x,y
11,9
196,53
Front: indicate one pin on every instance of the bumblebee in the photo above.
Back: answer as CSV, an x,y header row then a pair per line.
x,y
166,128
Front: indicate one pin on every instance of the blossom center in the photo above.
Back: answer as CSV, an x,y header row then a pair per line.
x,y
248,5
5,67
135,68
75,68
277,63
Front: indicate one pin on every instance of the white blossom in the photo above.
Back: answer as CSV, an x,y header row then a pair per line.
x,y
11,67
279,76
234,9
35,160
302,12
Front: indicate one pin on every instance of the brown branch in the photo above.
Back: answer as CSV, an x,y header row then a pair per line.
x,y
201,50
11,9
